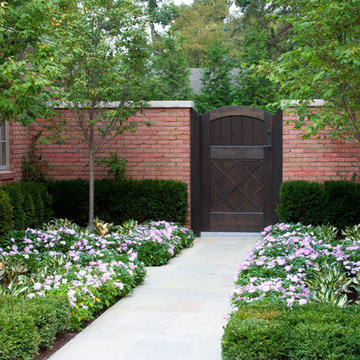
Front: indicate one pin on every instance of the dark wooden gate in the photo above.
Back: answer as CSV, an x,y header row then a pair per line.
x,y
236,169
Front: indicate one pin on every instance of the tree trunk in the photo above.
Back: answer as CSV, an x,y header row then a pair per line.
x,y
91,179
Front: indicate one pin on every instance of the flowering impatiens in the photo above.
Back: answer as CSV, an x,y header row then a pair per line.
x,y
92,270
278,266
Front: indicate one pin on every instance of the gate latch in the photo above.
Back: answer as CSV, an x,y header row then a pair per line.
x,y
269,146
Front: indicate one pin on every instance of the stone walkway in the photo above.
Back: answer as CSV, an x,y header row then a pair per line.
x,y
176,314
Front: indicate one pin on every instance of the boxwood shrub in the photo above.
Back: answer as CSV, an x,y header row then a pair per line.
x,y
29,324
118,201
31,202
19,338
273,331
331,202
342,201
6,213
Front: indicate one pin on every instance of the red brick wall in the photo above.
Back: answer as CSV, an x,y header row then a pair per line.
x,y
317,159
17,149
161,151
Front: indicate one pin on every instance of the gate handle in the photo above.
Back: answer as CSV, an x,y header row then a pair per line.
x,y
267,146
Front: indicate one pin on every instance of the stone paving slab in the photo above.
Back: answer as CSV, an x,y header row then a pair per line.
x,y
177,313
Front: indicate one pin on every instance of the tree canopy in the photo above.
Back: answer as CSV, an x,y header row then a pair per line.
x,y
323,64
29,60
199,25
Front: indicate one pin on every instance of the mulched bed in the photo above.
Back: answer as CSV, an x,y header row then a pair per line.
x,y
60,341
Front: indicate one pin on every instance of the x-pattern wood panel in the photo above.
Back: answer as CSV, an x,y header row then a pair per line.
x,y
244,198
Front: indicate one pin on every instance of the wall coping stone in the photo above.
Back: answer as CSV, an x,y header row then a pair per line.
x,y
312,103
168,104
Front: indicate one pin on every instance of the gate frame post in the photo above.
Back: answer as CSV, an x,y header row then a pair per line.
x,y
277,159
195,171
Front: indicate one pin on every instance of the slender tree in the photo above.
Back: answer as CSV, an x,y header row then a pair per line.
x,y
104,46
217,86
171,74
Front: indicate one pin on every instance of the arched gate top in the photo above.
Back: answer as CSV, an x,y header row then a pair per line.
x,y
228,111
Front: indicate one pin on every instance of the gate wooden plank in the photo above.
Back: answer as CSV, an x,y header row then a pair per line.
x,y
229,222
236,152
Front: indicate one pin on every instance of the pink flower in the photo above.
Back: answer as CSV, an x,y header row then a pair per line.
x,y
303,301
119,285
37,286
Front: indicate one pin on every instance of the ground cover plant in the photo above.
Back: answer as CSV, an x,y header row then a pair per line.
x,y
282,264
92,271
297,295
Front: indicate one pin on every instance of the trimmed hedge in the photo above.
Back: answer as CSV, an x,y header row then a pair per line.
x,y
119,201
70,200
29,324
6,213
270,331
333,202
31,202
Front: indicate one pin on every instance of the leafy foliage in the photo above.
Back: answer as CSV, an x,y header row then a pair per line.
x,y
104,48
324,63
116,166
126,226
102,227
295,264
57,224
156,242
18,335
301,201
29,64
160,13
170,77
217,87
267,329
258,37
34,166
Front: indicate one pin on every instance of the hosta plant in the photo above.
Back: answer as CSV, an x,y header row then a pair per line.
x,y
352,233
353,285
126,226
57,224
102,227
326,232
328,283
